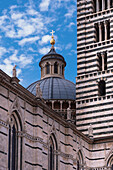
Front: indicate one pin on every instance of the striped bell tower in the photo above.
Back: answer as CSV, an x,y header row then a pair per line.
x,y
94,82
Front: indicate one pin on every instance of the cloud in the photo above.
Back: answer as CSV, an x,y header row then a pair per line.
x,y
17,24
68,46
28,40
44,5
71,10
45,39
20,60
71,24
44,50
2,51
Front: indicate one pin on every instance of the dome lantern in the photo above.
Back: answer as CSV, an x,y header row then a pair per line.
x,y
52,64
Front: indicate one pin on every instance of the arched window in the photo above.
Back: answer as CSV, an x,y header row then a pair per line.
x,y
15,143
47,68
110,162
102,88
56,68
80,161
53,155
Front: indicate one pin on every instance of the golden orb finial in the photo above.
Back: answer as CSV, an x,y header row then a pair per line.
x,y
52,40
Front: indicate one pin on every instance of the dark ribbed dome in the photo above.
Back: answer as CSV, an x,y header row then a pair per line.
x,y
55,88
52,55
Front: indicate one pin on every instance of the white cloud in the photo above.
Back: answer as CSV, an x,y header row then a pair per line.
x,y
68,46
44,5
71,24
28,40
45,39
2,51
17,24
44,50
71,9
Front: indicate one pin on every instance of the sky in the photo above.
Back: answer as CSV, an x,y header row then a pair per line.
x,y
25,28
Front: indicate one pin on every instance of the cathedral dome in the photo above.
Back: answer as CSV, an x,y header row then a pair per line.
x,y
54,88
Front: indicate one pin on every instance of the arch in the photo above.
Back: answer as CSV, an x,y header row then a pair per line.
x,y
53,153
47,68
15,108
80,160
14,142
56,67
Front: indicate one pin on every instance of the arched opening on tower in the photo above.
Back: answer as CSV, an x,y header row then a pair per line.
x,y
100,62
47,68
103,31
94,6
97,32
108,30
100,5
111,3
102,88
56,68
106,4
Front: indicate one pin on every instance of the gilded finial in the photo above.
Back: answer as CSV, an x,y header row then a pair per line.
x,y
52,40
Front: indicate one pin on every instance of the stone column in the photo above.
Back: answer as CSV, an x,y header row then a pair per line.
x,y
105,30
102,61
100,32
69,104
103,5
53,105
61,105
108,4
58,69
97,5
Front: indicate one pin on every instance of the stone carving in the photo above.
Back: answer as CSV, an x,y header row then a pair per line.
x,y
90,131
14,71
68,113
38,91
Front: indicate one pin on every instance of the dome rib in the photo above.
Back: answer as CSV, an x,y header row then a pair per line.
x,y
55,88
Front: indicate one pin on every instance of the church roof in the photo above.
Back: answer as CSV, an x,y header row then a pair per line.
x,y
52,55
55,88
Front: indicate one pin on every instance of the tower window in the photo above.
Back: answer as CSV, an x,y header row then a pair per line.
x,y
100,5
106,4
108,30
105,61
47,68
94,5
97,32
56,68
100,62
103,31
111,3
102,88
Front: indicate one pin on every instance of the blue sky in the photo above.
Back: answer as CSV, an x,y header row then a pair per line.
x,y
25,28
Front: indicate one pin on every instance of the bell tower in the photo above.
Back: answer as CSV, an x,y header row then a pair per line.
x,y
94,83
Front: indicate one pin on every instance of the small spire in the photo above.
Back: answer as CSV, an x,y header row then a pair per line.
x,y
14,71
52,40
